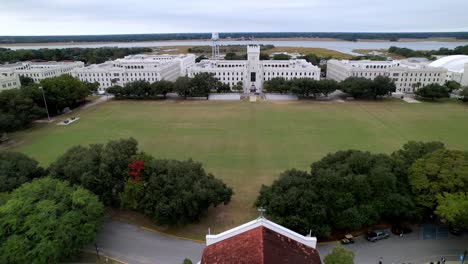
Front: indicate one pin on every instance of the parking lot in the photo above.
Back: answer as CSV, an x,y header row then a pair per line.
x,y
425,244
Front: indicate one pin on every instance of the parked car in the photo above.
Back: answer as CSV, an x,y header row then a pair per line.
x,y
348,239
400,229
456,231
375,235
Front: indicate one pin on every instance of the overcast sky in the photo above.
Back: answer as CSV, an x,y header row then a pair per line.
x,y
77,17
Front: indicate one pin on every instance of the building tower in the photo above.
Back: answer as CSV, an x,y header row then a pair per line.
x,y
254,78
215,46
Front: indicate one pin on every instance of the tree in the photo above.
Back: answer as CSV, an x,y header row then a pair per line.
x,y
433,91
16,169
182,86
187,261
92,87
174,192
264,56
162,87
442,171
339,256
364,88
99,168
200,58
453,208
326,87
383,86
64,91
312,58
238,87
452,85
464,94
416,85
47,221
281,56
358,87
278,85
345,190
202,83
18,108
25,81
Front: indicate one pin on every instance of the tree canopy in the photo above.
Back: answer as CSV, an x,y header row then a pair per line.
x,y
339,255
437,173
99,168
16,169
433,91
47,221
64,91
345,190
172,192
19,107
363,88
304,87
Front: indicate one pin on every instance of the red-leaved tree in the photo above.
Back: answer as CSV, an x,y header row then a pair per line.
x,y
134,170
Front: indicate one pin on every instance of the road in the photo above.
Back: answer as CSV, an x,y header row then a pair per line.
x,y
137,246
134,245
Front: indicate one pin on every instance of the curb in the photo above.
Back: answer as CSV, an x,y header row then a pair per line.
x,y
170,235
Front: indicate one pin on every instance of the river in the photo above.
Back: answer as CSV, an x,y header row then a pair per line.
x,y
341,46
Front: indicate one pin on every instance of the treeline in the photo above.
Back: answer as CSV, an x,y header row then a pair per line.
x,y
19,107
358,87
201,85
351,36
349,190
87,55
61,208
405,52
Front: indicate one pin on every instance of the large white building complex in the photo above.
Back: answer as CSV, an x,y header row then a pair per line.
x,y
457,68
9,80
253,72
131,68
41,70
408,75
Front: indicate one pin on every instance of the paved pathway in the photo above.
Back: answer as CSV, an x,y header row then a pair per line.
x,y
101,99
132,244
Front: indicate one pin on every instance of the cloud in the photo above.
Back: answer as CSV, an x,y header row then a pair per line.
x,y
70,17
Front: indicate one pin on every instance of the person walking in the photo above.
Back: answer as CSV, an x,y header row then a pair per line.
x,y
380,260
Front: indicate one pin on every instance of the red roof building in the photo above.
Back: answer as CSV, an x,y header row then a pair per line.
x,y
260,241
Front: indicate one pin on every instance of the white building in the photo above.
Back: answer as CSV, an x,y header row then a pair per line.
x,y
41,70
457,68
253,72
9,80
407,74
149,68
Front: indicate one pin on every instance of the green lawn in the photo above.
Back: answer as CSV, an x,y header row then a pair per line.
x,y
249,144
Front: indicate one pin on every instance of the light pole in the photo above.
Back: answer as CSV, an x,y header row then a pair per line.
x,y
45,103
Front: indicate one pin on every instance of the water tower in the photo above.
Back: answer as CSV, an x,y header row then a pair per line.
x,y
215,46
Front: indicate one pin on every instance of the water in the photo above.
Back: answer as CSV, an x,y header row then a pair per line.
x,y
341,46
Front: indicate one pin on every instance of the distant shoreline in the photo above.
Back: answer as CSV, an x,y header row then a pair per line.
x,y
232,39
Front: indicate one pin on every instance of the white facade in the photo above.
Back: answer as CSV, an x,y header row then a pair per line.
x,y
9,80
406,74
253,72
457,68
149,68
41,70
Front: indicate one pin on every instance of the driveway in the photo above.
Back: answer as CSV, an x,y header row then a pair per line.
x,y
134,245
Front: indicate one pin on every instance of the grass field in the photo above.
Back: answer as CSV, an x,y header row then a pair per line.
x,y
249,144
